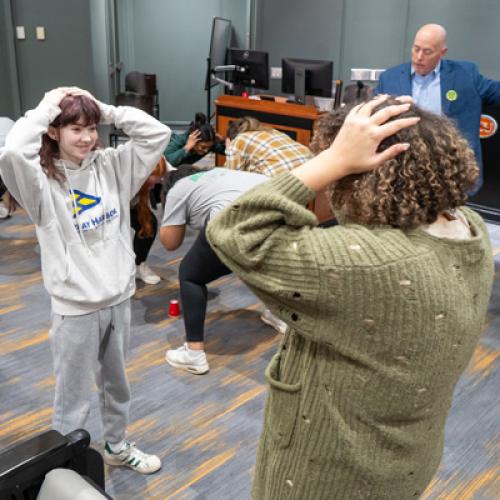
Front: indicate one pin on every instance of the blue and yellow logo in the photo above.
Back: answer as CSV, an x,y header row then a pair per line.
x,y
83,202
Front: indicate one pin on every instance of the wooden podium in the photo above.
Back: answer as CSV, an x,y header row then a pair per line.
x,y
295,120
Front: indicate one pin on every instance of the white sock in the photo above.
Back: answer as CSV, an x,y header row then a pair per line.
x,y
117,447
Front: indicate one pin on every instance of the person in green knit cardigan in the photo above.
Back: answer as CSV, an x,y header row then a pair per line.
x,y
384,310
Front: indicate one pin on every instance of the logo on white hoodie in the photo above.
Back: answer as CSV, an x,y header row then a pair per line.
x,y
83,201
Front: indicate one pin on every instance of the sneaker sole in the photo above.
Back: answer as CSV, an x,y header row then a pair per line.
x,y
188,368
148,282
118,463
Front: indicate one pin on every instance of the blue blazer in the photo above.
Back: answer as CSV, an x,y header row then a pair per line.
x,y
463,106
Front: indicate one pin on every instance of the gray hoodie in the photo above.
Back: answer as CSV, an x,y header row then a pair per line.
x,y
83,224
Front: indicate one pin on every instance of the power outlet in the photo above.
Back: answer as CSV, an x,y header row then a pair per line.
x,y
276,72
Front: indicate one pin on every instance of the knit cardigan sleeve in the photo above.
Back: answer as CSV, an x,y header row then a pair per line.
x,y
264,238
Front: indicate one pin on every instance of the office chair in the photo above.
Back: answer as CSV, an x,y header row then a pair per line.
x,y
144,102
143,84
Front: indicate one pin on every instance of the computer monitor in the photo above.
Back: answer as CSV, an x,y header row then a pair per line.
x,y
252,68
303,77
219,42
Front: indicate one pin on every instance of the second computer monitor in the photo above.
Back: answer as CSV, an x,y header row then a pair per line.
x,y
302,77
252,68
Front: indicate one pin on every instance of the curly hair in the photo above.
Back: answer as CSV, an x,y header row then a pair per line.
x,y
432,176
79,108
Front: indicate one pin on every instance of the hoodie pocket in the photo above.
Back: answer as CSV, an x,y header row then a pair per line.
x,y
89,276
282,405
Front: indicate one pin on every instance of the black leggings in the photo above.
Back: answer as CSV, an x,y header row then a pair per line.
x,y
142,246
198,267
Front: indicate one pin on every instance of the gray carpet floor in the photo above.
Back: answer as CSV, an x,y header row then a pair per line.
x,y
206,428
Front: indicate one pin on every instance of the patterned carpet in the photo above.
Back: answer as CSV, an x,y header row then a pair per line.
x,y
206,428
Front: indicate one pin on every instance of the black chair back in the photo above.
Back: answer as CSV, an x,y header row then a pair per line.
x,y
144,102
24,466
141,83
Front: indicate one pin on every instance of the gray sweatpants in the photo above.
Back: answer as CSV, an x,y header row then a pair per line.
x,y
86,349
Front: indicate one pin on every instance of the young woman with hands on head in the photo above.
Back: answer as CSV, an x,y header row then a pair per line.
x,y
78,196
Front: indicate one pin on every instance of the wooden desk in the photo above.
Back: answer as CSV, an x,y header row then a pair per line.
x,y
295,120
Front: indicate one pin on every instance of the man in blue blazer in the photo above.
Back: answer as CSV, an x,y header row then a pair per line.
x,y
453,88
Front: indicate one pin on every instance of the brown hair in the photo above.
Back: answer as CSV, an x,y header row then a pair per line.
x,y
245,124
143,215
433,175
74,109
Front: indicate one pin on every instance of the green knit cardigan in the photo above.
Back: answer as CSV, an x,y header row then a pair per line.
x,y
382,322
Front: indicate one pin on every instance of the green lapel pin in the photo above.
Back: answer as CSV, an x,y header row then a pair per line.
x,y
451,95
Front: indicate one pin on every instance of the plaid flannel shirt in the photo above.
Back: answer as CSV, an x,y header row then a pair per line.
x,y
267,152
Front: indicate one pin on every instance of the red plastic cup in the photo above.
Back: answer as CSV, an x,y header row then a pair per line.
x,y
174,309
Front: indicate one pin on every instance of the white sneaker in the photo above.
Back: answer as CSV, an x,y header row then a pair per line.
x,y
4,211
130,456
270,319
144,272
188,359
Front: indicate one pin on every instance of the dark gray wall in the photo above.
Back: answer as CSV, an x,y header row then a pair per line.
x,y
171,39
9,99
376,33
73,53
311,30
63,58
473,29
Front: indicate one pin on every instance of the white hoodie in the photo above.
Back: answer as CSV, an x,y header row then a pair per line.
x,y
83,224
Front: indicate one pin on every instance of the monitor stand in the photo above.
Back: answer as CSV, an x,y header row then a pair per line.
x,y
300,85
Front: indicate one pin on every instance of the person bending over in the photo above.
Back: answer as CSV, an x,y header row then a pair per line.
x,y
192,198
191,146
384,310
5,125
78,196
144,223
254,147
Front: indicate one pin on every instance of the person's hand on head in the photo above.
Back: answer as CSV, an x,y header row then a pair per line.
x,y
55,96
78,91
356,144
193,138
